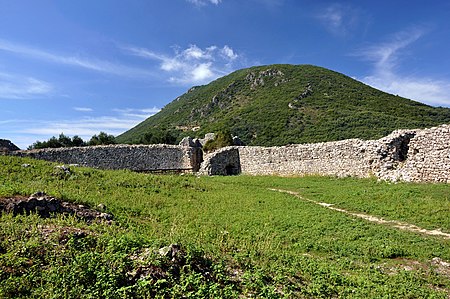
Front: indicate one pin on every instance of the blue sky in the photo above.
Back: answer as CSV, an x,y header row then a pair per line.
x,y
81,67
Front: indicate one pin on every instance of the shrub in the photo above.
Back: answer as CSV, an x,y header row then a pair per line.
x,y
223,138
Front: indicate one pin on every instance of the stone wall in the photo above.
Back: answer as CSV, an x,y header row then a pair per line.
x,y
408,155
133,157
428,158
225,161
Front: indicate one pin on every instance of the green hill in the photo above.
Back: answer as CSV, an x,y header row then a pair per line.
x,y
284,104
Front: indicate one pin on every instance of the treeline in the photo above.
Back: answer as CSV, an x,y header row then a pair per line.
x,y
162,136
65,141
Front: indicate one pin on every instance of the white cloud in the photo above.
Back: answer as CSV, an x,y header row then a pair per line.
x,y
228,53
81,62
204,2
340,19
119,121
193,65
428,91
194,52
83,109
20,87
137,113
387,57
202,72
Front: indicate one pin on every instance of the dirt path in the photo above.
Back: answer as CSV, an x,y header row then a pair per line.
x,y
392,223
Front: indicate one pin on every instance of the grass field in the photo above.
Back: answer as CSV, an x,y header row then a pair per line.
x,y
236,237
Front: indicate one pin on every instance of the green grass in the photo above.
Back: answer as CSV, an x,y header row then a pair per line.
x,y
239,237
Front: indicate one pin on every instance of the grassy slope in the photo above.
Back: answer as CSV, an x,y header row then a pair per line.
x,y
254,241
338,108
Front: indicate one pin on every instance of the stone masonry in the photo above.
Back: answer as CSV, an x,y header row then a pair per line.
x,y
428,158
134,157
406,155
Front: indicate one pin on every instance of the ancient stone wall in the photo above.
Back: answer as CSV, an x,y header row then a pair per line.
x,y
343,158
428,158
133,157
225,161
407,155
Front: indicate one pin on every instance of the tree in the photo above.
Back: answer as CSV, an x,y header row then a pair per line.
x,y
163,136
64,141
102,139
77,141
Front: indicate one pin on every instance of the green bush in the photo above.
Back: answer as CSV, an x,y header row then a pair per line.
x,y
221,139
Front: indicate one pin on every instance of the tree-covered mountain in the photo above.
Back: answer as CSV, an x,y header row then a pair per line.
x,y
285,104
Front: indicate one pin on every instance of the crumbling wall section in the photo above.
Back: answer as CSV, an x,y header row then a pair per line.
x,y
225,161
428,158
405,155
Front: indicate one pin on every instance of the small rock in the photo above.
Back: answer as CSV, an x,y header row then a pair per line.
x,y
101,207
106,216
171,251
38,194
439,261
63,168
164,251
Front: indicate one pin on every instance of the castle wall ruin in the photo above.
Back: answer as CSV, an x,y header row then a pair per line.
x,y
404,155
144,158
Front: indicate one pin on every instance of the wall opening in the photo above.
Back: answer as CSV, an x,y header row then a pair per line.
x,y
404,147
231,169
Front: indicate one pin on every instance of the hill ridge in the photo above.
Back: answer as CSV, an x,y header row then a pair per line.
x,y
284,104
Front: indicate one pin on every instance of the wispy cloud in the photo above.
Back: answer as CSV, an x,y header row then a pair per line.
x,y
204,2
192,65
120,121
73,60
117,122
386,59
137,113
339,19
22,87
385,55
83,109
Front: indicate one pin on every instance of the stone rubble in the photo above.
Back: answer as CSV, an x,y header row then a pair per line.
x,y
47,206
